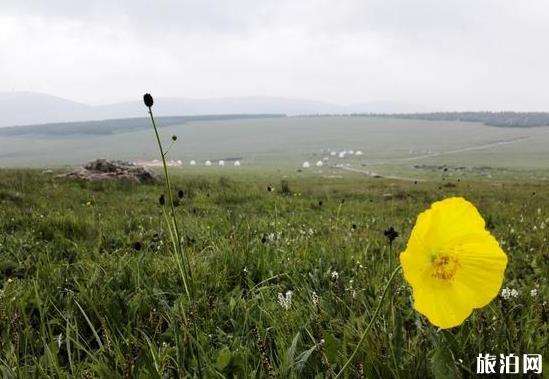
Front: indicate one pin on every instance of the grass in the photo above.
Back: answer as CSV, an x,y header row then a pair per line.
x,y
90,287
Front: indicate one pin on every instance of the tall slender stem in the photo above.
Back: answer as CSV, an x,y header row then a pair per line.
x,y
177,235
393,275
182,258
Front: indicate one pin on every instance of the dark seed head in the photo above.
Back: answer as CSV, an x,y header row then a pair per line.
x,y
137,246
415,181
162,200
320,203
174,138
270,189
180,194
148,99
263,239
445,169
391,234
353,226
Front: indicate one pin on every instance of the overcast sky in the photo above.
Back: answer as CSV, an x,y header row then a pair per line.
x,y
452,54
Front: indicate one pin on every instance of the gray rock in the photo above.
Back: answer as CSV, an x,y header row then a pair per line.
x,y
103,169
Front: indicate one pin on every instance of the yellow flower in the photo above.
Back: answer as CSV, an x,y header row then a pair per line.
x,y
452,262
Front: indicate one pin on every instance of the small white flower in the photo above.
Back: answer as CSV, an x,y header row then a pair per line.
x,y
245,270
534,292
285,301
508,293
335,275
59,340
315,298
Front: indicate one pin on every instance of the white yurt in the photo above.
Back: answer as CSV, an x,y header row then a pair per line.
x,y
208,163
319,164
221,163
237,163
192,162
306,165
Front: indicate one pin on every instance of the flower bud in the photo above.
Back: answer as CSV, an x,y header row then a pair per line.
x,y
148,99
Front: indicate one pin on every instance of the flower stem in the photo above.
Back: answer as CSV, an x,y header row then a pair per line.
x,y
183,260
376,312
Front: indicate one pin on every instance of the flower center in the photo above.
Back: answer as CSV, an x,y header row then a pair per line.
x,y
444,266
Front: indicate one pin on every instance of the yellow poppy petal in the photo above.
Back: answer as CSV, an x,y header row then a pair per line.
x,y
442,304
482,265
454,217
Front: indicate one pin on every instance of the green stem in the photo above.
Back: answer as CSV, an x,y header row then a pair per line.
x,y
393,275
177,235
176,239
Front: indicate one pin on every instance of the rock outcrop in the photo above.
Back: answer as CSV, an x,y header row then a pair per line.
x,y
103,169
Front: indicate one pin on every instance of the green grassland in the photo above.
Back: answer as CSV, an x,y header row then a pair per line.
x,y
90,287
286,142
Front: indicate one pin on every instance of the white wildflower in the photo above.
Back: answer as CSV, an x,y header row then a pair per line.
x,y
534,292
335,275
285,301
508,293
315,298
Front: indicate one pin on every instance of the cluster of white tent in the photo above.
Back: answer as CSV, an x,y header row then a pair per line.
x,y
220,163
344,153
334,153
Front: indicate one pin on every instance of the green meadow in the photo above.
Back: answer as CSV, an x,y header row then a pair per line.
x,y
285,281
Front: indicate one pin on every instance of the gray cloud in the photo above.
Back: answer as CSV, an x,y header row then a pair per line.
x,y
467,54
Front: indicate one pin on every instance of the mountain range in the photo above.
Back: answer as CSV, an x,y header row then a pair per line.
x,y
30,108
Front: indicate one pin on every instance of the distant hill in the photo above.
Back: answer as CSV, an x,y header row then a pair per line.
x,y
501,119
30,108
107,127
24,108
